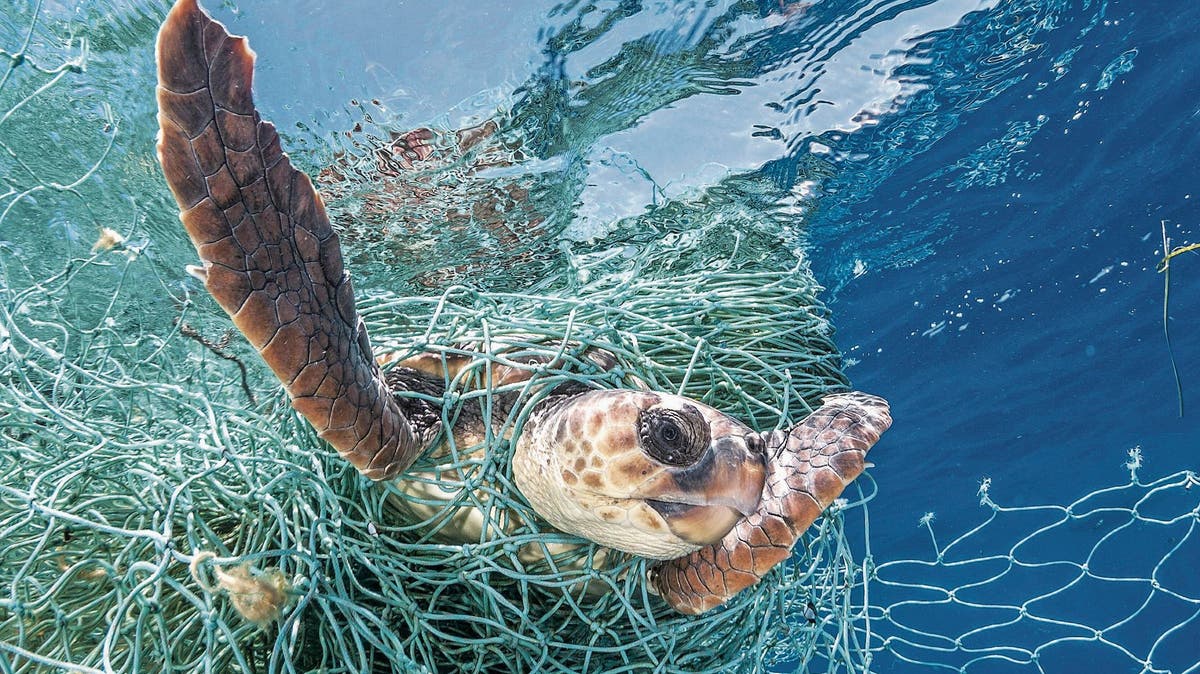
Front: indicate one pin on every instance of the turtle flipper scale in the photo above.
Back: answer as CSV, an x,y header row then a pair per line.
x,y
808,467
271,259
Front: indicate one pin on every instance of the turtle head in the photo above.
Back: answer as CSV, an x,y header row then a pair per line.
x,y
652,474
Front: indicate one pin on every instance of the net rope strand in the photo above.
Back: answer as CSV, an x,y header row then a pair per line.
x,y
144,496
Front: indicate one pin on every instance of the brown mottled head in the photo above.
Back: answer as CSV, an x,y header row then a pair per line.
x,y
652,474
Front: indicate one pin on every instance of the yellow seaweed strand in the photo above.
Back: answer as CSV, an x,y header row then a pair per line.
x,y
1179,250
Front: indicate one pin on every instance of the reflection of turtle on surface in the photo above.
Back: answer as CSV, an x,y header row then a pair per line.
x,y
429,202
653,474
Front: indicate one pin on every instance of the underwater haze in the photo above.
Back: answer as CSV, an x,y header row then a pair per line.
x,y
986,190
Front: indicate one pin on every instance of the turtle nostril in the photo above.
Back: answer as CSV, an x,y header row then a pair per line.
x,y
757,444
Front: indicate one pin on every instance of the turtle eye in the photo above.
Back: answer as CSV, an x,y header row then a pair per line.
x,y
673,437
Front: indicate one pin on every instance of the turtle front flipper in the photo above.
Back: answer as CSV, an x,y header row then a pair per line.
x,y
808,467
271,259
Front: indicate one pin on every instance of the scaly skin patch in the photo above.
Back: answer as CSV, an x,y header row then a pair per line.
x,y
271,259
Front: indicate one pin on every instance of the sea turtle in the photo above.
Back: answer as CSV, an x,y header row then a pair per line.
x,y
648,473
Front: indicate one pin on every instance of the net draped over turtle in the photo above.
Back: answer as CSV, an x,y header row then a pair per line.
x,y
148,473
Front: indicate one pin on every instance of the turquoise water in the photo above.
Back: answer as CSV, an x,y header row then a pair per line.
x,y
982,186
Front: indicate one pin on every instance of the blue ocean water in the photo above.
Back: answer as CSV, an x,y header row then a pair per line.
x,y
1011,311
982,185
1011,304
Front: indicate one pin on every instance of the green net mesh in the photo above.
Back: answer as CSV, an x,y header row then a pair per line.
x,y
162,509
124,461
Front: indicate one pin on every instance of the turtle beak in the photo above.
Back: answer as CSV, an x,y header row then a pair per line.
x,y
702,502
735,477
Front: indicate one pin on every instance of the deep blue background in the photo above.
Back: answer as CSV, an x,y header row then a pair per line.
x,y
1046,391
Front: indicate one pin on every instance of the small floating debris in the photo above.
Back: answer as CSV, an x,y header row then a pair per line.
x,y
109,239
1101,274
258,596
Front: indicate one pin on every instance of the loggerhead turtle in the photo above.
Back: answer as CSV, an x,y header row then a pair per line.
x,y
652,474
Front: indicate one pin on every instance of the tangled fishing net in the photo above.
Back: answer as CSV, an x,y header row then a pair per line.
x,y
163,509
155,519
